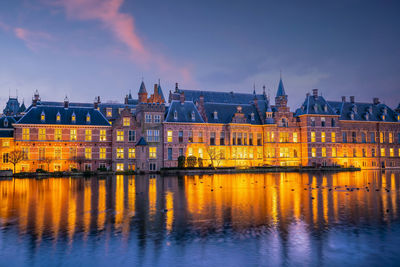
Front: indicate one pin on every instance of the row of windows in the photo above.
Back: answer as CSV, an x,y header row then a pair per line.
x,y
218,154
42,135
121,136
120,153
323,137
152,118
323,122
58,117
57,154
355,152
370,137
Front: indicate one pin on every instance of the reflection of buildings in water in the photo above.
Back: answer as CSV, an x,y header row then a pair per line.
x,y
144,208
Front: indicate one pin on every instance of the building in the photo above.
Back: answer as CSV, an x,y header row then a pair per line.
x,y
218,128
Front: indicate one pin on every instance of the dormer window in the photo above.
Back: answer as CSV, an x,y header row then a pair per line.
x,y
370,109
354,108
352,116
88,118
58,117
398,117
385,111
383,117
5,122
252,116
175,115
42,117
367,116
193,116
109,112
215,115
326,108
315,107
73,118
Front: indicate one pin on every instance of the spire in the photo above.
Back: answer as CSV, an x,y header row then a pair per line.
x,y
160,92
254,89
142,88
281,89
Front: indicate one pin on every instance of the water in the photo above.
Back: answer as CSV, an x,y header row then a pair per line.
x,y
283,219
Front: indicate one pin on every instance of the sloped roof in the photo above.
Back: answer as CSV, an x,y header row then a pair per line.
x,y
316,106
142,88
141,142
184,112
34,114
6,122
225,112
359,111
281,89
160,92
220,97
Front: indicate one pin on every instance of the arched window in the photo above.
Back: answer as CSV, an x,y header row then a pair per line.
x,y
42,116
284,122
73,117
88,118
193,116
175,115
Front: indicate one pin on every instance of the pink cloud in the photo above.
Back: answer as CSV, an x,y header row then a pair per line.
x,y
122,26
4,26
34,40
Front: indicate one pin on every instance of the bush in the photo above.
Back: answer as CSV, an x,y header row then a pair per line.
x,y
200,162
181,162
74,170
191,161
102,169
40,170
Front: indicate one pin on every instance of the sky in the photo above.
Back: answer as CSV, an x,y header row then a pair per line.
x,y
85,48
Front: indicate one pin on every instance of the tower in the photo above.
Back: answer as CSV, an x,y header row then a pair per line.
x,y
142,93
281,97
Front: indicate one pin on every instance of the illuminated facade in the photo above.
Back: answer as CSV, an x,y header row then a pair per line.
x,y
220,128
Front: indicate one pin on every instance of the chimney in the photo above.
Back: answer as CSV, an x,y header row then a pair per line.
x,y
96,102
343,99
308,94
176,87
352,99
315,93
126,100
376,101
36,98
155,89
182,97
66,102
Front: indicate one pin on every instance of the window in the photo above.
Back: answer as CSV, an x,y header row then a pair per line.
x,y
200,153
222,138
42,134
398,139
57,134
373,152
323,122
295,140
103,135
295,153
156,135
312,136
169,153
283,137
382,152
354,152
354,137
180,151
72,152
323,137
169,136
381,137
363,138
212,138
190,151
120,167
102,153
312,121
245,139
73,117
152,166
390,138
372,137
109,112
391,152
193,116
284,152
88,135
6,143
239,139
58,117
88,153
126,121
190,137
180,136
252,117
131,136
344,137
259,143
72,134
148,118
333,122
88,118
120,136
200,137
157,118
5,157
25,153
333,137
42,117
153,152
333,152
364,154
131,153
120,153
57,153
234,139
25,134
323,152
313,152
175,115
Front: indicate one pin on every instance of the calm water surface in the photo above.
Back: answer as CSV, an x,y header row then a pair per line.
x,y
284,219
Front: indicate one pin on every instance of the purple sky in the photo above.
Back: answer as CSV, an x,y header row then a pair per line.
x,y
84,48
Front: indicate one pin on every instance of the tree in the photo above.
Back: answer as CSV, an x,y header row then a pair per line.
x,y
200,162
181,162
47,161
16,157
214,155
191,161
79,160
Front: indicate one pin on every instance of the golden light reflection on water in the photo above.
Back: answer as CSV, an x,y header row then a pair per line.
x,y
71,207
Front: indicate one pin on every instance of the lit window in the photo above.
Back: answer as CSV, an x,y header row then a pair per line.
x,y
5,157
25,153
109,112
323,152
25,134
132,153
333,152
390,138
6,143
73,134
57,153
73,117
57,134
148,118
333,137
120,153
190,136
103,135
169,136
323,137
120,167
120,136
295,138
200,137
284,152
102,153
313,152
190,151
58,117
382,152
42,153
42,134
312,136
200,153
157,118
391,151
88,135
127,121
88,153
152,152
381,137
42,116
72,152
88,118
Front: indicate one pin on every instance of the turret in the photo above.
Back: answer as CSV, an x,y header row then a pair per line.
x,y
281,97
142,93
